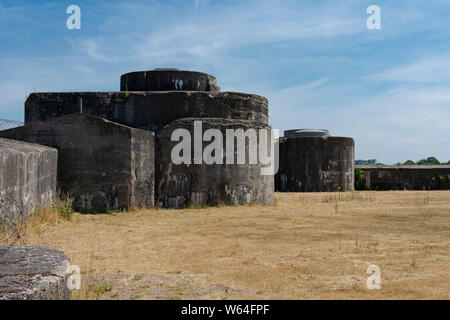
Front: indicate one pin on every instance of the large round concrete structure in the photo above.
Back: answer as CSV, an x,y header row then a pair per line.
x,y
191,184
311,163
161,101
168,80
147,110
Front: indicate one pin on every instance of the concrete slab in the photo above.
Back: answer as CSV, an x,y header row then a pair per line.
x,y
33,273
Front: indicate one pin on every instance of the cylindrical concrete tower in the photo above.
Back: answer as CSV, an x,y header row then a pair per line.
x,y
314,161
197,184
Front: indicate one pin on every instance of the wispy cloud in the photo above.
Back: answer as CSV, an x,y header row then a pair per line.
x,y
220,29
429,69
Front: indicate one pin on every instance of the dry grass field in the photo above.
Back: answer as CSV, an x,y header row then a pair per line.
x,y
306,246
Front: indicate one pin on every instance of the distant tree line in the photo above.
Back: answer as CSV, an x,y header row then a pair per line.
x,y
430,161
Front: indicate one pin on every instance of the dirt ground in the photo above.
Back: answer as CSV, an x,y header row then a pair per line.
x,y
306,246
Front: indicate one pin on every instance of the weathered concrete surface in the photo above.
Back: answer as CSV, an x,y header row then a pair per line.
x,y
148,110
406,177
27,176
33,273
316,164
102,164
168,80
183,185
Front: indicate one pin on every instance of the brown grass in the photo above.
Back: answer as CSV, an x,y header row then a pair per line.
x,y
307,246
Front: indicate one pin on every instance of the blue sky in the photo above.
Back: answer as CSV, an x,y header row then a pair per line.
x,y
316,61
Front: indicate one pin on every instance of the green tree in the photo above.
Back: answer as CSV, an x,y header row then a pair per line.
x,y
443,181
430,161
409,163
359,179
433,161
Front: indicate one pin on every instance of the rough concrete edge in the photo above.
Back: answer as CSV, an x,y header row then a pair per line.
x,y
51,286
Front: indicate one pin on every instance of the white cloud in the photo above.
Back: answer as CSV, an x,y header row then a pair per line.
x,y
219,29
429,69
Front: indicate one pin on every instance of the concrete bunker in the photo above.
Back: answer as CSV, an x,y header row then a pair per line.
x,y
405,177
183,185
314,161
102,165
106,141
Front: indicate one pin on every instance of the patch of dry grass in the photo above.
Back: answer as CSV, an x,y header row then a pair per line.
x,y
307,246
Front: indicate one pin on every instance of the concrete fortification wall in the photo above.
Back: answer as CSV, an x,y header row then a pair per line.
x,y
27,176
147,110
405,177
315,164
182,185
103,165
